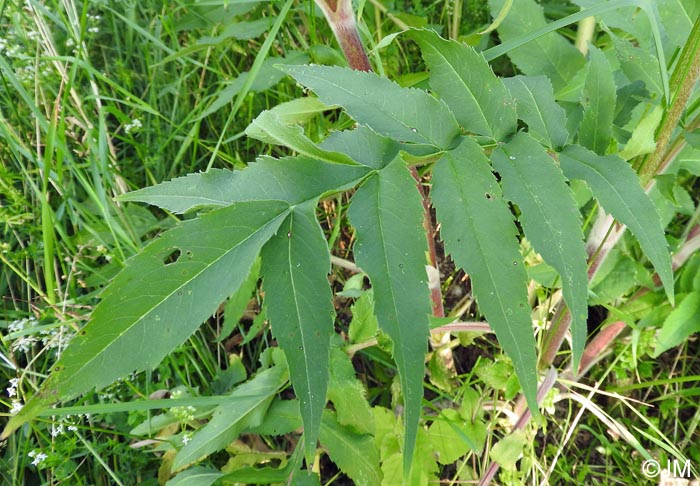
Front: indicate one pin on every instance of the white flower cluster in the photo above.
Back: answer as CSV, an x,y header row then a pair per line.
x,y
133,126
51,338
37,457
23,343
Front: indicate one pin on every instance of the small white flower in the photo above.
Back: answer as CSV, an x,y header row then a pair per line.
x,y
93,30
23,344
56,430
186,439
133,125
16,407
38,457
72,428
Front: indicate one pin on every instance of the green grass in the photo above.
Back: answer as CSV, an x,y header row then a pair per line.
x,y
99,98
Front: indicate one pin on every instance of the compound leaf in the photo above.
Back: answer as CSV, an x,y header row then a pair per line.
x,y
595,129
290,179
386,213
159,299
298,299
551,221
534,102
463,78
617,187
245,408
479,233
404,114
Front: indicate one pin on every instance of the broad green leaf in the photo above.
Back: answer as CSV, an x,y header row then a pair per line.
x,y
364,323
683,321
290,179
617,187
404,114
639,64
363,145
299,304
534,102
595,129
473,217
159,299
197,476
508,450
348,395
463,78
629,18
551,54
188,193
452,436
300,110
269,127
642,140
551,221
678,17
246,409
391,243
355,454
282,417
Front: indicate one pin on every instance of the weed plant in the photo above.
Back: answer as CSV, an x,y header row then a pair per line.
x,y
99,99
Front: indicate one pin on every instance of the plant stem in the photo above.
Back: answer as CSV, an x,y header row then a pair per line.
x,y
340,17
683,80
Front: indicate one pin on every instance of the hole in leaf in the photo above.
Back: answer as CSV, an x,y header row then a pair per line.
x,y
172,257
488,196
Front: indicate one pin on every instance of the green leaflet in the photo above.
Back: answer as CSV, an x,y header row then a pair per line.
x,y
247,407
683,321
348,395
463,78
270,128
387,215
551,54
551,221
197,476
154,305
363,145
595,129
404,114
290,179
534,102
617,187
678,17
354,453
188,193
298,300
479,233
638,63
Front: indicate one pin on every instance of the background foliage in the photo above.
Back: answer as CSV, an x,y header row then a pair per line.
x,y
102,98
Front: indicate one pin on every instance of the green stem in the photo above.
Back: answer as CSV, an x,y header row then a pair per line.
x,y
683,80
